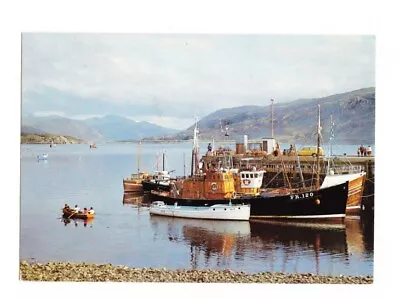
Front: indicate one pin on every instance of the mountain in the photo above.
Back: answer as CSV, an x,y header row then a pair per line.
x,y
107,128
31,130
353,114
114,127
58,125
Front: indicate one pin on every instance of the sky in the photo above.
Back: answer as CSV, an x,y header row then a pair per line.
x,y
169,79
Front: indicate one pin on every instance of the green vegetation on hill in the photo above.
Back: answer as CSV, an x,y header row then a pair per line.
x,y
48,138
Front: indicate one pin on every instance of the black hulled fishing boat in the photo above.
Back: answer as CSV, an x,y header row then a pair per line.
x,y
307,203
160,180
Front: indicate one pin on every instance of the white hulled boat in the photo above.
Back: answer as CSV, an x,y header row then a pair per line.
x,y
218,211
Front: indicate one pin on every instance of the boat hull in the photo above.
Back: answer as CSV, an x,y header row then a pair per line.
x,y
328,204
354,199
216,212
70,214
148,186
192,202
318,205
355,192
132,186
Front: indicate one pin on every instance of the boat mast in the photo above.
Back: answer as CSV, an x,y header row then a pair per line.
x,y
318,145
299,166
163,161
330,148
184,166
139,148
272,118
195,151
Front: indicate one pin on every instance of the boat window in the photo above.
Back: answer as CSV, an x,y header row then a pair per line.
x,y
242,174
256,175
247,175
251,175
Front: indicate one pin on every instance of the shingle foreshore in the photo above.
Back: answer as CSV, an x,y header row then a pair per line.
x,y
107,272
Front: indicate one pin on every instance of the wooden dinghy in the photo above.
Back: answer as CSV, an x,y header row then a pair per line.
x,y
71,214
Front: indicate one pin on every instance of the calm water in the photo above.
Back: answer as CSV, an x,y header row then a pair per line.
x,y
123,232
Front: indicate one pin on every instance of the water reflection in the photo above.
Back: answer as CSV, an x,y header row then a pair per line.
x,y
78,222
293,240
206,239
281,247
136,199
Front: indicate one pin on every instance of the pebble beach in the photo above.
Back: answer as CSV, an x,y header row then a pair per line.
x,y
84,272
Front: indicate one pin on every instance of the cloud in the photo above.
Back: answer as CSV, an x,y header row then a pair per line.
x,y
183,75
48,113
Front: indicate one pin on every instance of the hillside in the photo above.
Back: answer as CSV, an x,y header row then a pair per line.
x,y
113,127
48,139
107,128
353,114
63,126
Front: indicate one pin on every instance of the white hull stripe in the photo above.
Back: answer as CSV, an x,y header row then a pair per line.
x,y
353,207
303,216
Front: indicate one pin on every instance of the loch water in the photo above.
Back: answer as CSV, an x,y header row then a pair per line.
x,y
123,232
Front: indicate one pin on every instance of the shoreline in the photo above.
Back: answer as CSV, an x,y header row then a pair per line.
x,y
88,272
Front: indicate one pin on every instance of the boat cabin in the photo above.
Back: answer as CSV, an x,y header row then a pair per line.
x,y
161,176
249,182
214,184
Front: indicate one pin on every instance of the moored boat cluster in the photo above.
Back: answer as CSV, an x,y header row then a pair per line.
x,y
223,185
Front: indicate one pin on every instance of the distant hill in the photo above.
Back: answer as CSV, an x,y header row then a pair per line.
x,y
31,130
62,126
353,114
27,138
107,128
113,127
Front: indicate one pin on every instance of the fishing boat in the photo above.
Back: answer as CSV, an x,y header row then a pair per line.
x,y
312,203
217,212
204,187
316,202
160,180
69,213
134,182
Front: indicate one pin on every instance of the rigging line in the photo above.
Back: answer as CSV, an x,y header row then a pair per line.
x,y
273,178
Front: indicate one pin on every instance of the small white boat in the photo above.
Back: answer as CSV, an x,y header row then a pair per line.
x,y
218,211
42,157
